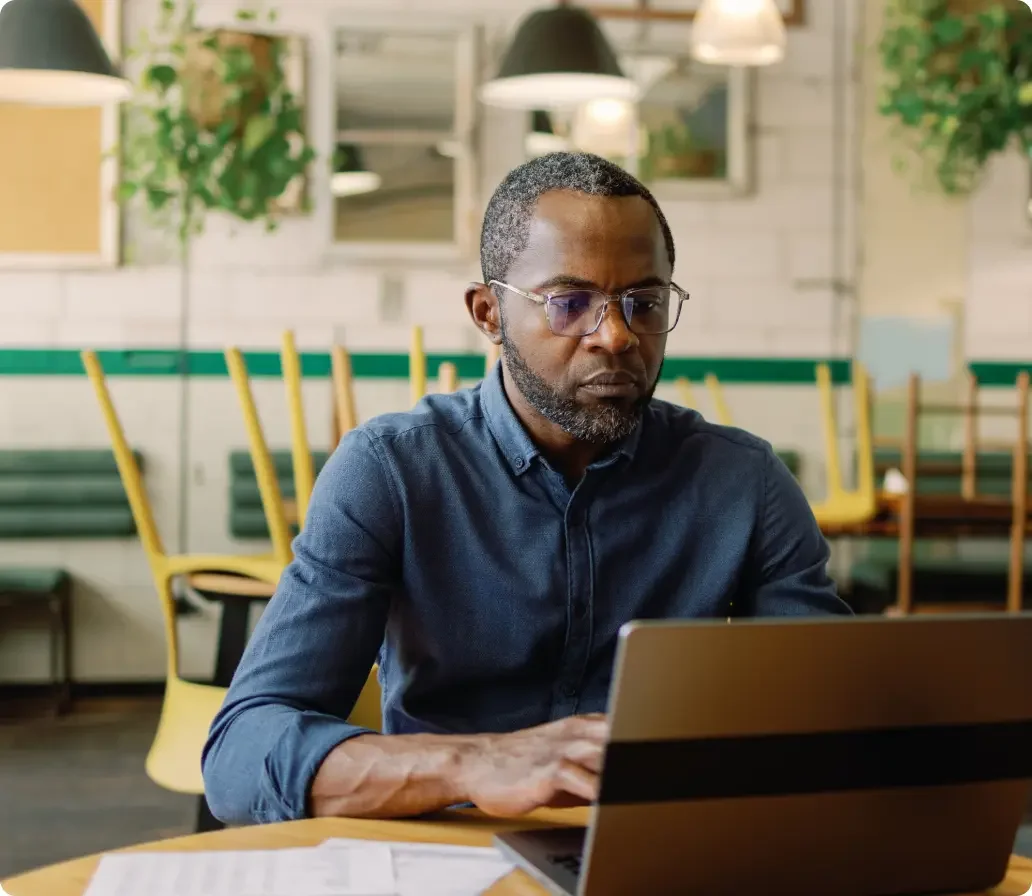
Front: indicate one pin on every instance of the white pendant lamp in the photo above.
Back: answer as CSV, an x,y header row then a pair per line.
x,y
559,58
738,32
351,177
607,127
50,55
542,137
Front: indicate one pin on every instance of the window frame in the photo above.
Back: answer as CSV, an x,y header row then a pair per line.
x,y
468,53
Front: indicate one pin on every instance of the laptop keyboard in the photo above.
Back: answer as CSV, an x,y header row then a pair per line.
x,y
570,861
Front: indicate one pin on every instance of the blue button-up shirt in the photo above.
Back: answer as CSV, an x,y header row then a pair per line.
x,y
441,543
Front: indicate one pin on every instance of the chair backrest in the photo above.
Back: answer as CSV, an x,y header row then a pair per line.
x,y
417,367
447,377
864,430
139,503
685,392
345,417
717,394
864,438
301,450
264,469
128,469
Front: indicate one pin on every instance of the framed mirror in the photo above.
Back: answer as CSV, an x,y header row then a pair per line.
x,y
689,136
403,181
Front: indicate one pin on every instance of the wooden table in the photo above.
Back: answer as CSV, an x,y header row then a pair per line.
x,y
460,828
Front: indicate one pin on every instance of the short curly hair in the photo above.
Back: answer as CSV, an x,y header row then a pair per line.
x,y
506,227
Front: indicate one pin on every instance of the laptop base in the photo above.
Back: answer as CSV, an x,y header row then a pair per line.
x,y
551,856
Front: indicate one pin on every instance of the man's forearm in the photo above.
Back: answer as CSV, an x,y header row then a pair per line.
x,y
374,776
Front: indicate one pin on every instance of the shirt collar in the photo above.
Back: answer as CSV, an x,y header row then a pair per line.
x,y
517,446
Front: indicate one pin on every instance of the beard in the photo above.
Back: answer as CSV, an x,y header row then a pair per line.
x,y
601,424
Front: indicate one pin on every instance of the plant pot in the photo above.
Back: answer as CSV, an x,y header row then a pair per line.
x,y
207,96
695,163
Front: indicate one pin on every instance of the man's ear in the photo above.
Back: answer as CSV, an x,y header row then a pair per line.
x,y
482,304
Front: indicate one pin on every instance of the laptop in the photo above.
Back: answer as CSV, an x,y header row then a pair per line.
x,y
860,756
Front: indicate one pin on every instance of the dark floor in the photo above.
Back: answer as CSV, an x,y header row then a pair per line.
x,y
76,785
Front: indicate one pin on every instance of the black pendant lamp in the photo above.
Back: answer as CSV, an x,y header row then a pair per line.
x,y
558,58
51,55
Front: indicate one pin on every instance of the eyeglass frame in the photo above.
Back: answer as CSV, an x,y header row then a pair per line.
x,y
543,300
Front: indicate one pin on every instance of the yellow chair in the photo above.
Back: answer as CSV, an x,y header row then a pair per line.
x,y
717,394
367,709
174,758
842,507
447,377
345,417
301,453
685,392
417,367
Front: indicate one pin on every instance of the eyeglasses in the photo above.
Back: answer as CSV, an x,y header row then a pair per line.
x,y
576,312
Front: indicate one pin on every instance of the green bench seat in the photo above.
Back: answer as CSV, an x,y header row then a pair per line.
x,y
68,493
790,459
246,515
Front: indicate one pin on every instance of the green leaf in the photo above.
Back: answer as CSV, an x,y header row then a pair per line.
x,y
161,76
246,15
257,131
127,190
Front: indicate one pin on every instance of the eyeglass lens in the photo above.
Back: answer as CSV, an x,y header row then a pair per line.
x,y
577,312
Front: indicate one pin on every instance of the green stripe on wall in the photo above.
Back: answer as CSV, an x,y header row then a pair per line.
x,y
159,362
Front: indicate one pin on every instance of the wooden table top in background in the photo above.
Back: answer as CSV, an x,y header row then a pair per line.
x,y
459,828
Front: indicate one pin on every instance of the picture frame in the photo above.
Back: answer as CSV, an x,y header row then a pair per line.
x,y
88,233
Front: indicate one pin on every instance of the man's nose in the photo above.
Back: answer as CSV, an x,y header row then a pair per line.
x,y
613,335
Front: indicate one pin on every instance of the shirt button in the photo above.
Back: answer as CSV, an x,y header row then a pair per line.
x,y
520,462
568,690
581,609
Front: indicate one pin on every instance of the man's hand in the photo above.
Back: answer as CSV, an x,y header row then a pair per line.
x,y
374,776
557,764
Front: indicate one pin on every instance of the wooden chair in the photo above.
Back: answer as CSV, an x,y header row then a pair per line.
x,y
367,710
969,512
174,758
844,507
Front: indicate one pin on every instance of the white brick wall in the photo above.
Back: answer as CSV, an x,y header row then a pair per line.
x,y
999,298
759,269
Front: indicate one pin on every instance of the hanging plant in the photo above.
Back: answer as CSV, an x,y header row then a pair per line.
x,y
958,81
213,125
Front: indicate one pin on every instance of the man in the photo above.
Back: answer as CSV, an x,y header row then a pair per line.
x,y
487,546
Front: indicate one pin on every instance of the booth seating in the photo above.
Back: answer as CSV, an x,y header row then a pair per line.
x,y
246,515
48,494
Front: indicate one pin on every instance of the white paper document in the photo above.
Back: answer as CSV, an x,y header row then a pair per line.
x,y
428,869
364,868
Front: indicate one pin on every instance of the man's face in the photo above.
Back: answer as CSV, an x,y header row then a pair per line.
x,y
604,243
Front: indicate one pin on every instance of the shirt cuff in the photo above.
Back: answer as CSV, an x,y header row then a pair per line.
x,y
293,762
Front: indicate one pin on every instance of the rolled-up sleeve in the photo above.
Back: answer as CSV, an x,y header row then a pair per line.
x,y
312,649
790,559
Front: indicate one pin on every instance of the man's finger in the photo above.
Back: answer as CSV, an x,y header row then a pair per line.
x,y
585,753
577,780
